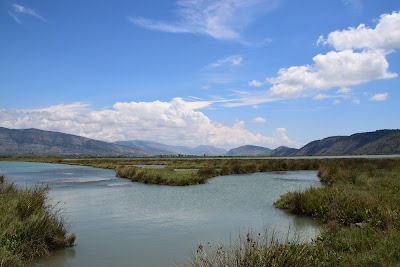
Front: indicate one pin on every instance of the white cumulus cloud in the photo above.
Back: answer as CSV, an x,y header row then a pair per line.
x,y
321,96
344,90
379,97
255,83
385,36
360,56
176,122
334,69
258,120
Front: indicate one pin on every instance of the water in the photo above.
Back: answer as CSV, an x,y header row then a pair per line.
x,y
121,223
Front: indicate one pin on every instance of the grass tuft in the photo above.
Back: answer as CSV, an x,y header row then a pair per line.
x,y
253,250
28,226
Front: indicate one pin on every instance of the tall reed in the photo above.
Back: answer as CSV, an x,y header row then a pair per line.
x,y
253,250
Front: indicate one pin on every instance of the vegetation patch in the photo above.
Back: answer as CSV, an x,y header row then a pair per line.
x,y
253,250
29,227
159,176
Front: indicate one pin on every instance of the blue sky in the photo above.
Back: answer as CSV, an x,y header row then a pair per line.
x,y
190,72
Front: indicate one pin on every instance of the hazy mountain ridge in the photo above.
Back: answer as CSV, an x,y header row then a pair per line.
x,y
174,150
378,142
249,150
259,151
40,142
283,151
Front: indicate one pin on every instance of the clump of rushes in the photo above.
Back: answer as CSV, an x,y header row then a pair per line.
x,y
29,227
356,191
207,171
253,250
160,176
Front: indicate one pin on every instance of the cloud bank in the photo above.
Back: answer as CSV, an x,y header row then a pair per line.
x,y
176,122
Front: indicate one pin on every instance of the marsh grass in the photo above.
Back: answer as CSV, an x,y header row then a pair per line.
x,y
253,250
365,191
159,176
360,206
29,227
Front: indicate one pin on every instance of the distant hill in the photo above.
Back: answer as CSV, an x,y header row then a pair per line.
x,y
163,149
156,148
378,142
370,143
208,150
249,150
39,142
283,151
259,151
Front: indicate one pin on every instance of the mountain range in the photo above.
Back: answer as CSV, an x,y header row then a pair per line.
x,y
40,142
259,151
162,149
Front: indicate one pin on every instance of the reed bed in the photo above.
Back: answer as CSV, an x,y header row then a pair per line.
x,y
29,227
253,250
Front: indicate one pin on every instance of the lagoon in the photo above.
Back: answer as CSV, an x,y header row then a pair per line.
x,y
121,223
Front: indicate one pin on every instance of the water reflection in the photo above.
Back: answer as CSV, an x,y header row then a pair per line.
x,y
60,257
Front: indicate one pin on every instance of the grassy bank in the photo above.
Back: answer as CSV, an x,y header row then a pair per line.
x,y
29,227
360,206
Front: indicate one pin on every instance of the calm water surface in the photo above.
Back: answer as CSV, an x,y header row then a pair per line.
x,y
121,223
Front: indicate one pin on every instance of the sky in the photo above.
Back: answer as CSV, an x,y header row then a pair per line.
x,y
225,73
